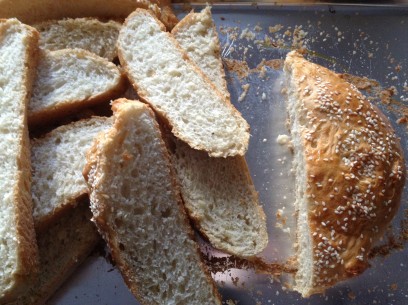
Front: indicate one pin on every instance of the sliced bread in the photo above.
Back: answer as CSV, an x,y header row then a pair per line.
x,y
177,89
137,208
197,35
350,173
80,33
218,193
71,80
57,161
62,248
18,249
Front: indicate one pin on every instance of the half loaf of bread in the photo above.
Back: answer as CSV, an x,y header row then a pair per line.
x,y
70,80
137,208
58,159
18,248
218,193
80,33
349,171
177,89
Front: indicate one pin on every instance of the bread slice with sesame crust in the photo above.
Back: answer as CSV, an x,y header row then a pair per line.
x,y
137,208
18,247
349,169
178,91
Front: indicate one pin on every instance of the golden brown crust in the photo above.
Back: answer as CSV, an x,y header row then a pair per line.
x,y
354,166
144,95
94,160
40,10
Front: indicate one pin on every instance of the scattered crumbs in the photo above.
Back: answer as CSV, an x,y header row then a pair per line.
x,y
231,302
387,94
351,295
276,28
264,140
258,28
245,89
394,286
247,34
283,139
239,67
263,97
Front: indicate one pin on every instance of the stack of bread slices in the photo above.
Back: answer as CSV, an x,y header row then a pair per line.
x,y
173,151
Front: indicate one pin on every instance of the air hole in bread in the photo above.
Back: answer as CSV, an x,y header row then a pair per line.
x,y
121,247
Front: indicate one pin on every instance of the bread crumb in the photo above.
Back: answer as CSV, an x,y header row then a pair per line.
x,y
283,139
276,28
263,97
245,89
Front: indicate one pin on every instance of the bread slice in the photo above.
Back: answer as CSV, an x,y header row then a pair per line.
x,y
18,250
57,161
349,170
35,11
137,208
177,89
69,81
80,33
62,248
218,193
197,35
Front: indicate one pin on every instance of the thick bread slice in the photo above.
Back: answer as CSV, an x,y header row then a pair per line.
x,y
197,35
177,89
349,170
35,11
57,161
218,193
18,250
137,208
62,248
69,81
80,33
220,197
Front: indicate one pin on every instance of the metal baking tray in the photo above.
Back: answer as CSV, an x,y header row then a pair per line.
x,y
362,40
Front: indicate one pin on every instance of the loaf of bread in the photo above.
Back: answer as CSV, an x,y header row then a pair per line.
x,y
62,248
70,80
18,250
177,89
57,161
218,193
349,170
137,208
80,33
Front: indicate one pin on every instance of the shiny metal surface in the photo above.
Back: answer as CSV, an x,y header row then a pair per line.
x,y
364,41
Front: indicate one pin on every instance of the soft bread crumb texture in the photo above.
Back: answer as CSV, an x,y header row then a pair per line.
x,y
350,174
197,35
80,33
137,208
221,199
71,78
18,45
57,160
163,76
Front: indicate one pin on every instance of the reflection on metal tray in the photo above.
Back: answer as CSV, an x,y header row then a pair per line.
x,y
362,41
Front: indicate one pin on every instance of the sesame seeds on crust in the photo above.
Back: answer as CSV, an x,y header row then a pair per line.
x,y
355,170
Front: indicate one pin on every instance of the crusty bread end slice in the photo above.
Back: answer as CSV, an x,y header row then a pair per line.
x,y
178,90
18,248
137,208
